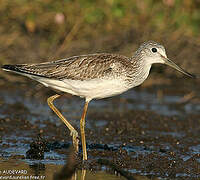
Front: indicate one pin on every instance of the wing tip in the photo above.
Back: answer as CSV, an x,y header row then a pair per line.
x,y
19,69
9,67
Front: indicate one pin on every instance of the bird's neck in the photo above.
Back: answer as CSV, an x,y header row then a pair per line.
x,y
140,70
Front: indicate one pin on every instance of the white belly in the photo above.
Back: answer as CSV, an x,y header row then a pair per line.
x,y
90,89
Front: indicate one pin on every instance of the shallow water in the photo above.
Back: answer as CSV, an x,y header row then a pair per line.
x,y
18,108
12,169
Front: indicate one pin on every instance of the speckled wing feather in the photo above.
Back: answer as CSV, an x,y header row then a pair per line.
x,y
77,67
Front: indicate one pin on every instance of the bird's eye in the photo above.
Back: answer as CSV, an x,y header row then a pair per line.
x,y
154,50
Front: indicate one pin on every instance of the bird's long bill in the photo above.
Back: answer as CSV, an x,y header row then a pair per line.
x,y
172,64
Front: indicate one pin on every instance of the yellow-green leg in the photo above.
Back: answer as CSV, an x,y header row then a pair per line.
x,y
82,127
73,132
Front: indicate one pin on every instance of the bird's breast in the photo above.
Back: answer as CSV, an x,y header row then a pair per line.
x,y
96,88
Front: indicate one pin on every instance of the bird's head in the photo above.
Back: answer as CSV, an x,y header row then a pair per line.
x,y
153,52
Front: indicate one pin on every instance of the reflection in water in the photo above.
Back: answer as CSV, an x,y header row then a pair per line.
x,y
37,168
83,173
74,176
48,172
88,175
17,144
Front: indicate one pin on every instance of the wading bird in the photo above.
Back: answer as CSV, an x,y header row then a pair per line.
x,y
94,76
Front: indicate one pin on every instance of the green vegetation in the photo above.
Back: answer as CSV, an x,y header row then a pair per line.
x,y
97,16
56,23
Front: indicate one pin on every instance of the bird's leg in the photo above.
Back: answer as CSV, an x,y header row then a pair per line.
x,y
73,132
82,127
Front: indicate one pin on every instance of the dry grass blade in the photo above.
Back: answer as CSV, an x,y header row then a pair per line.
x,y
70,35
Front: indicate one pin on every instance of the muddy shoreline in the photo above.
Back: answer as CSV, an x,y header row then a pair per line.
x,y
130,132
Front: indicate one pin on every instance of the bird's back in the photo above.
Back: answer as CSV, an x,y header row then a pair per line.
x,y
82,67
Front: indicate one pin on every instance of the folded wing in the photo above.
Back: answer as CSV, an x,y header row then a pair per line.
x,y
83,67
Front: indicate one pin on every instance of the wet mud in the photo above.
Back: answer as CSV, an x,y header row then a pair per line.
x,y
149,132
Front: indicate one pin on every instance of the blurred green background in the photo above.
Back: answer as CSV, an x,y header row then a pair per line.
x,y
42,30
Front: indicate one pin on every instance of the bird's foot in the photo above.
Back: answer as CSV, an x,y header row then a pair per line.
x,y
75,139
